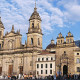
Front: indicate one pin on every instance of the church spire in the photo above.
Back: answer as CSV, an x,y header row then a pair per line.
x,y
35,3
35,14
35,9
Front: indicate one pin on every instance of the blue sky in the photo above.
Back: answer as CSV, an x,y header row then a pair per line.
x,y
57,16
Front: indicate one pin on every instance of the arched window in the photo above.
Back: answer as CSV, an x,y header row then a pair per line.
x,y
31,41
32,25
51,58
38,41
10,45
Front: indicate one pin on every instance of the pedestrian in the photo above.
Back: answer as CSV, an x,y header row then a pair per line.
x,y
54,77
70,76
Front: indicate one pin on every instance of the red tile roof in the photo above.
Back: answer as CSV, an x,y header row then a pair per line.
x,y
44,52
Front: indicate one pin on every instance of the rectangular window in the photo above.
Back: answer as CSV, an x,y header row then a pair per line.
x,y
46,65
50,71
51,58
37,65
41,65
41,71
78,69
42,59
46,59
78,60
50,65
45,71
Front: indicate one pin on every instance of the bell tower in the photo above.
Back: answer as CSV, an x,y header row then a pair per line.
x,y
1,33
60,39
34,35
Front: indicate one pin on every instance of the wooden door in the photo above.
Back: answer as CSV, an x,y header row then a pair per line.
x,y
10,71
21,69
0,70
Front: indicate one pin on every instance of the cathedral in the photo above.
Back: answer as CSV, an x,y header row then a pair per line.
x,y
16,58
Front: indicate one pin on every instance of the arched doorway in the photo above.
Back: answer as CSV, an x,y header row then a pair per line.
x,y
65,70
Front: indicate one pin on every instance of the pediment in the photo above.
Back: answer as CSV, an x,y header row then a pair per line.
x,y
11,34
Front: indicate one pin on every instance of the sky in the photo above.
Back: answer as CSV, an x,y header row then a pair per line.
x,y
57,16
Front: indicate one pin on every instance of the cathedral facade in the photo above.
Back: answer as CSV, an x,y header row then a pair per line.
x,y
65,49
16,58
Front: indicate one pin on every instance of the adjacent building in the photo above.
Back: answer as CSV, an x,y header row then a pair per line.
x,y
77,61
64,49
45,64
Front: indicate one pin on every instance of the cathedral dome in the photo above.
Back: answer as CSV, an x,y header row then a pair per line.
x,y
35,15
51,45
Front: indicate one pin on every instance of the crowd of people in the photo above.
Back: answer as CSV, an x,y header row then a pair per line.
x,y
54,77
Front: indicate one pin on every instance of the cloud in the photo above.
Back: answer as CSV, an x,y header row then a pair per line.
x,y
71,9
18,12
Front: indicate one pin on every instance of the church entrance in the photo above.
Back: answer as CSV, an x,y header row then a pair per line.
x,y
65,70
10,70
21,70
0,70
